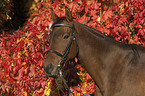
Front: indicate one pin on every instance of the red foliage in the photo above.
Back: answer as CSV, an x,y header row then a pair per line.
x,y
22,53
125,21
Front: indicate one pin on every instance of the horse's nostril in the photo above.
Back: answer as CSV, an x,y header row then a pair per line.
x,y
48,68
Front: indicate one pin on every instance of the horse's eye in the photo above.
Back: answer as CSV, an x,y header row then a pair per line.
x,y
66,36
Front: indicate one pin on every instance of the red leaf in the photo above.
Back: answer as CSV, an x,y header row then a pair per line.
x,y
76,0
76,60
2,87
107,14
43,84
35,20
84,1
34,14
15,69
32,71
87,8
83,18
41,90
95,5
39,4
41,63
60,13
105,7
73,6
36,83
26,70
139,26
21,73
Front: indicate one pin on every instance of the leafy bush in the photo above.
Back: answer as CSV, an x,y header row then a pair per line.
x,y
5,13
23,52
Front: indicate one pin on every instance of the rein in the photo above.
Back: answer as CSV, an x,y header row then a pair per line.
x,y
64,56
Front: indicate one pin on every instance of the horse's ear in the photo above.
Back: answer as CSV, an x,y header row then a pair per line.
x,y
54,17
68,15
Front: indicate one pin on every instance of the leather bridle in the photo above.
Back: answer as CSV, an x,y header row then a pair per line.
x,y
66,52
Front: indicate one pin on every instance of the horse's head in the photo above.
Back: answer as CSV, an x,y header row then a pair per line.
x,y
63,45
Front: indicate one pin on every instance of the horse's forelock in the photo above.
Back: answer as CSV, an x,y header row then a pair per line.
x,y
60,20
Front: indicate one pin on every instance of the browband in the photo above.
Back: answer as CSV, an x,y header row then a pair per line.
x,y
51,26
62,25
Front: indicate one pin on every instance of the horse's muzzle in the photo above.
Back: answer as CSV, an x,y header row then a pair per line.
x,y
49,70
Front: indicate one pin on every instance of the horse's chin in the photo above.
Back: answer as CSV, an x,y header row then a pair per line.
x,y
53,75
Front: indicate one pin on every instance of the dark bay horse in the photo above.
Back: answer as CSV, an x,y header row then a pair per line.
x,y
118,69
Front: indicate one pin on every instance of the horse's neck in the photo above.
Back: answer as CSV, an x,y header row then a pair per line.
x,y
92,51
106,60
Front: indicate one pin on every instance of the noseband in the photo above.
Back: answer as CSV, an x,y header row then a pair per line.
x,y
66,52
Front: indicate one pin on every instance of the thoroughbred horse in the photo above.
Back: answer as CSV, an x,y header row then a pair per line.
x,y
118,69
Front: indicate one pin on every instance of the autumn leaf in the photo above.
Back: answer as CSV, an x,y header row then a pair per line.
x,y
32,71
22,51
105,7
34,14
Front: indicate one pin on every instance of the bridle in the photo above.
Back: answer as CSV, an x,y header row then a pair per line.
x,y
66,52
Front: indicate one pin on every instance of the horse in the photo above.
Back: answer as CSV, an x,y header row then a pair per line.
x,y
118,69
